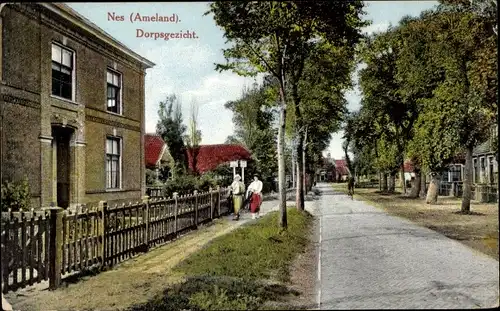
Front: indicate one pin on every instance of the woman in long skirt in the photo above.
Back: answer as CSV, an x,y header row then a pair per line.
x,y
256,189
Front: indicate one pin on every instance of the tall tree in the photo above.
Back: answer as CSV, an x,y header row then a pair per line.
x,y
253,117
459,113
172,130
193,138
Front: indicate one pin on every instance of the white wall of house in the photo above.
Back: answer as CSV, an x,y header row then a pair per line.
x,y
409,176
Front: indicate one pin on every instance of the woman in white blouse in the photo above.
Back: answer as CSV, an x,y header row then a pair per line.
x,y
255,189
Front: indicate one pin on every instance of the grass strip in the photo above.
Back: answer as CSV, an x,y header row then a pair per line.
x,y
243,270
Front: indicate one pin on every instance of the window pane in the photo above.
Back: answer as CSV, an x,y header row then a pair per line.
x,y
56,87
109,77
67,72
116,80
56,53
115,147
113,179
66,90
111,105
67,58
111,92
109,146
56,67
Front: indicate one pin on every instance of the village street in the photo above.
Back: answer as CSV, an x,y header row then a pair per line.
x,y
370,260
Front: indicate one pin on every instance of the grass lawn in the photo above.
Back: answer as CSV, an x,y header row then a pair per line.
x,y
478,230
247,269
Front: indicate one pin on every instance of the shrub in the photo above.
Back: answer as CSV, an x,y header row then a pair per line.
x,y
16,196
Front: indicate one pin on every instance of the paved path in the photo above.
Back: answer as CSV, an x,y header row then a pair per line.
x,y
371,260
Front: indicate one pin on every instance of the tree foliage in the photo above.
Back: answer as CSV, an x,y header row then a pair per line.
x,y
172,130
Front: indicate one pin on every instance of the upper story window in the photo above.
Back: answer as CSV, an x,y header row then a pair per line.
x,y
114,85
62,72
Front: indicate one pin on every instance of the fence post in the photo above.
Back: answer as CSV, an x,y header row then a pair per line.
x,y
145,202
218,201
176,195
210,190
196,209
55,247
103,207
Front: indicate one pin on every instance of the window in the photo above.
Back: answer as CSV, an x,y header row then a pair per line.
x,y
483,170
456,173
113,163
476,172
113,91
62,72
491,170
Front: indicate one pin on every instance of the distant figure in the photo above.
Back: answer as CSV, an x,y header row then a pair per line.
x,y
237,191
350,186
255,191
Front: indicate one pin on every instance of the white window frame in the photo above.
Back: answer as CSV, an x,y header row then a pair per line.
x,y
120,106
120,160
73,73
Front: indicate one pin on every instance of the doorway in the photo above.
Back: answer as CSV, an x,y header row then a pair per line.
x,y
61,165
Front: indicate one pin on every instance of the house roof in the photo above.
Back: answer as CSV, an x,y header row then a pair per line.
x,y
408,166
80,21
341,167
211,156
154,147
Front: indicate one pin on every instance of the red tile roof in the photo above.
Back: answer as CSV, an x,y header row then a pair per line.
x,y
153,146
211,156
408,166
341,167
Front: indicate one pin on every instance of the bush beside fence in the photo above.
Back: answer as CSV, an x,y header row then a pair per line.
x,y
50,244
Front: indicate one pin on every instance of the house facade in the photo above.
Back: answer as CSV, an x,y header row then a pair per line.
x,y
72,105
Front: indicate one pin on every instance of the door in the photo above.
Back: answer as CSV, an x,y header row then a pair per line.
x,y
61,165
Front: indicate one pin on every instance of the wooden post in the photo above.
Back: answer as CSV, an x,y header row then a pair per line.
x,y
218,201
196,209
211,191
103,208
145,202
176,195
55,247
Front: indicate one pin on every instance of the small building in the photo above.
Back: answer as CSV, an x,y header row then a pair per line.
x,y
156,153
72,107
341,170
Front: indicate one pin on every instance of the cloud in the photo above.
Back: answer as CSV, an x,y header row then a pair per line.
x,y
376,27
193,81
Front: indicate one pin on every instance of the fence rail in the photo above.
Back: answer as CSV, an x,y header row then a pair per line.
x,y
50,244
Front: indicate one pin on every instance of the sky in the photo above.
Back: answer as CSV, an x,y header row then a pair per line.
x,y
185,66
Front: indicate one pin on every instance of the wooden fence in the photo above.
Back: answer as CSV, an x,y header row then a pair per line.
x,y
49,245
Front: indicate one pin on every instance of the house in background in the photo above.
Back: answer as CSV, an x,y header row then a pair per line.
x,y
206,158
341,170
72,105
327,171
156,153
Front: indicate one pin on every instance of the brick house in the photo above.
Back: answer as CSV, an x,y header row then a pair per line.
x,y
72,105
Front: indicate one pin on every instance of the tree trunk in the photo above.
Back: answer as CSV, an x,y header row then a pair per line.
x,y
380,181
415,187
433,191
392,182
306,189
467,190
384,182
403,179
423,184
281,159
